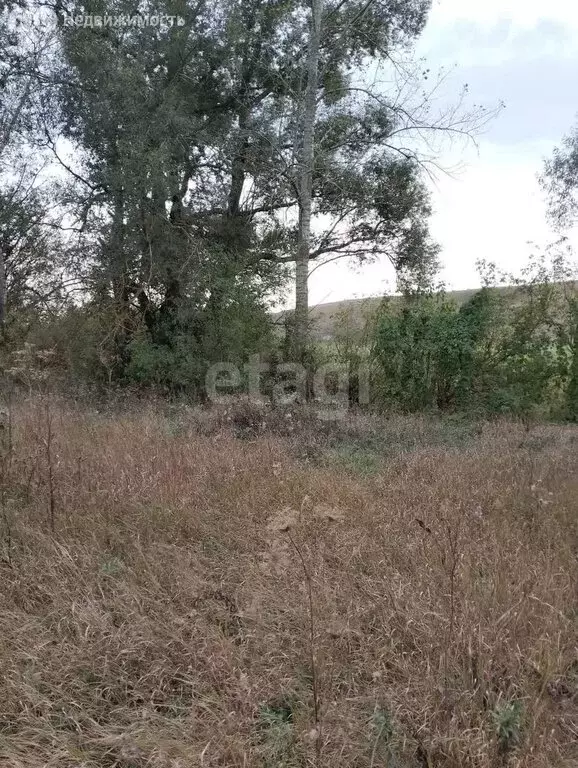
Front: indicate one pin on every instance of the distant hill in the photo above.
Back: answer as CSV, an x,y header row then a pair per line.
x,y
324,316
357,311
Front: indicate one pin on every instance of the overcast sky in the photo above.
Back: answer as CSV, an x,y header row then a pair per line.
x,y
522,52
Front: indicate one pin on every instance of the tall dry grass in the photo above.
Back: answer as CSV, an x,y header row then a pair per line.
x,y
173,595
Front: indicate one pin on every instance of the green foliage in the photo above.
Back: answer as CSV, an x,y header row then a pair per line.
x,y
560,181
497,353
80,340
355,459
190,117
230,328
572,390
111,566
508,721
87,352
277,735
163,367
423,354
383,738
181,193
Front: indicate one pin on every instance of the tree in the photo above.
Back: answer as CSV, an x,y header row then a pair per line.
x,y
13,101
33,254
306,183
28,276
572,390
422,350
207,119
560,181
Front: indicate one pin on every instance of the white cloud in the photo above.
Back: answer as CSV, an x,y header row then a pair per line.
x,y
493,32
494,211
525,13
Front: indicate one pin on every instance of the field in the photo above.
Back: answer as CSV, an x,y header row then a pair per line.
x,y
240,588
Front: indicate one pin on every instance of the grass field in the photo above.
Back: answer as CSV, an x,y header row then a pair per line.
x,y
184,588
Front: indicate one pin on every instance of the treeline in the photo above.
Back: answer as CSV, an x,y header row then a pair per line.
x,y
505,351
158,182
162,185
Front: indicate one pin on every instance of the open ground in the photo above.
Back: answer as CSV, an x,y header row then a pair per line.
x,y
236,587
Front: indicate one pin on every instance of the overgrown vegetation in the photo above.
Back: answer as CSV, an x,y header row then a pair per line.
x,y
286,580
513,352
154,187
154,176
173,595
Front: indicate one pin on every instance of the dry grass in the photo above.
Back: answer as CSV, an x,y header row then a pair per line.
x,y
193,578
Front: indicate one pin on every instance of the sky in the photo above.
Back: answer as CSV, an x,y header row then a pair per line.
x,y
489,206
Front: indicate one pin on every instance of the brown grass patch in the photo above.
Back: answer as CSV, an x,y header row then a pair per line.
x,y
172,616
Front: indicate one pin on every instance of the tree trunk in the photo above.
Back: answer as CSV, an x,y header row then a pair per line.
x,y
115,262
2,293
238,164
305,186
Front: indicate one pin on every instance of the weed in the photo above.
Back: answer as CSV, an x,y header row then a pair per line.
x,y
382,734
111,566
276,728
357,460
507,717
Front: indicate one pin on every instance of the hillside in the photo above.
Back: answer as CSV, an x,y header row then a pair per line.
x,y
357,311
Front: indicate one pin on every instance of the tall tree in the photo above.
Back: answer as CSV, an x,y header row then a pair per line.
x,y
209,117
13,100
24,264
306,183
